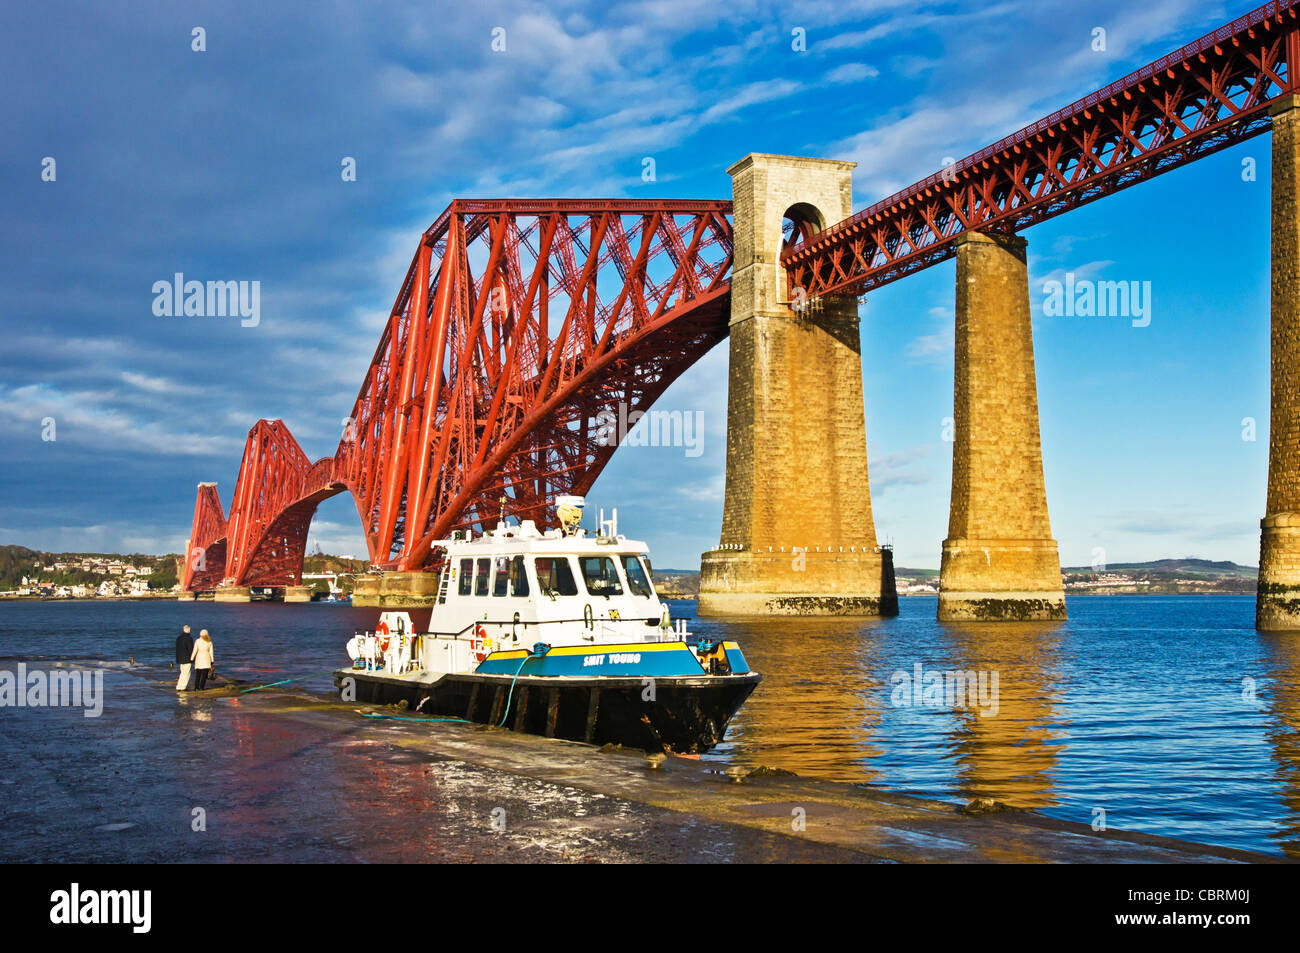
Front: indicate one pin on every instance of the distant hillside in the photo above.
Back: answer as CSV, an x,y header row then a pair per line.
x,y
1183,567
19,561
902,572
319,562
1161,576
676,583
14,559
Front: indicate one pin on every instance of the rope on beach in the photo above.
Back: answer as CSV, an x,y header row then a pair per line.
x,y
285,681
368,714
375,714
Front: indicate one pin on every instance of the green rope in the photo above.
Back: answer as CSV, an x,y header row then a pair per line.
x,y
511,695
375,714
286,681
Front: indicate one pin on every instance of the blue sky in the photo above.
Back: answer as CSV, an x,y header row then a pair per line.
x,y
225,164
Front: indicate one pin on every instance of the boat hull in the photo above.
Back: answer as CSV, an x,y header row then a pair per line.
x,y
685,715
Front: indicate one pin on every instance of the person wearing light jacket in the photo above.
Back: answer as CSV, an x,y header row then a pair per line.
x,y
204,660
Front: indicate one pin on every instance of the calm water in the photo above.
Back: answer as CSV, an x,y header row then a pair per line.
x,y
1138,706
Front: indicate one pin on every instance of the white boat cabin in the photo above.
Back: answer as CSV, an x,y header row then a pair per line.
x,y
516,586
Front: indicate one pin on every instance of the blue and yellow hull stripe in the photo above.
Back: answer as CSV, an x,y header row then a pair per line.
x,y
638,659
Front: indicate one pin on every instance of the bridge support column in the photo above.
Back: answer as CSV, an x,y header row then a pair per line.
x,y
297,593
999,560
233,594
396,590
1277,601
797,532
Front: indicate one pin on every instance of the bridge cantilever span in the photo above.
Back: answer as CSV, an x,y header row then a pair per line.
x,y
1204,97
519,322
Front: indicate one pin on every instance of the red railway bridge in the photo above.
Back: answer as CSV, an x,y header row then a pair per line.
x,y
520,321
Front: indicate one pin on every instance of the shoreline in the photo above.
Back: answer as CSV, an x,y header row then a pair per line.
x,y
139,597
799,815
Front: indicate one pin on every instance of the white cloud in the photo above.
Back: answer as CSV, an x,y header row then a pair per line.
x,y
157,385
89,418
850,73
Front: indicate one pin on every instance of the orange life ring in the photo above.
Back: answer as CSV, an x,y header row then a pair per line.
x,y
478,643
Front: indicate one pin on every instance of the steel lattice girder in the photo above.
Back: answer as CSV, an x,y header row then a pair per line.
x,y
519,323
266,530
205,553
1209,95
276,495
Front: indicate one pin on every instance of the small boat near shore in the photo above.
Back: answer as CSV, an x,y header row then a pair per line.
x,y
558,633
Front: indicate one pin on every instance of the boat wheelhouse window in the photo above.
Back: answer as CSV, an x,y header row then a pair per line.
x,y
555,576
637,579
466,585
500,575
518,577
601,576
481,577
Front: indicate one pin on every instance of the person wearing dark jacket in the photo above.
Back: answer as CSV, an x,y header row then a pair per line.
x,y
184,649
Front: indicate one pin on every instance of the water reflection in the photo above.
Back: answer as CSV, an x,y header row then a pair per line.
x,y
1008,750
820,701
1281,697
972,710
193,709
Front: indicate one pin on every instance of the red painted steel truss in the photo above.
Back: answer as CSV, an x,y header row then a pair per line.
x,y
519,323
205,562
1209,95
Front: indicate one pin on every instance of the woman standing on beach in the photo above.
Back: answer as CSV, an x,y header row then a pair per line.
x,y
204,659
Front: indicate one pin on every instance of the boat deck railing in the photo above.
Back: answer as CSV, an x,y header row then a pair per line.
x,y
377,661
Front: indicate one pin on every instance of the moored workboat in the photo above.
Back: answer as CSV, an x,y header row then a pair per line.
x,y
558,633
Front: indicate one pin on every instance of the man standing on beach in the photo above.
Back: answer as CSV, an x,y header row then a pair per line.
x,y
184,649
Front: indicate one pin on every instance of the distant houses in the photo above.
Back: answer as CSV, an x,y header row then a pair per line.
x,y
115,578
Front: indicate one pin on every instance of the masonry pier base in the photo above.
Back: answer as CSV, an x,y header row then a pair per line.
x,y
396,590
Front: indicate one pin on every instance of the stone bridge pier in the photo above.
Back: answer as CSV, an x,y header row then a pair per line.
x,y
999,560
797,531
1277,602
